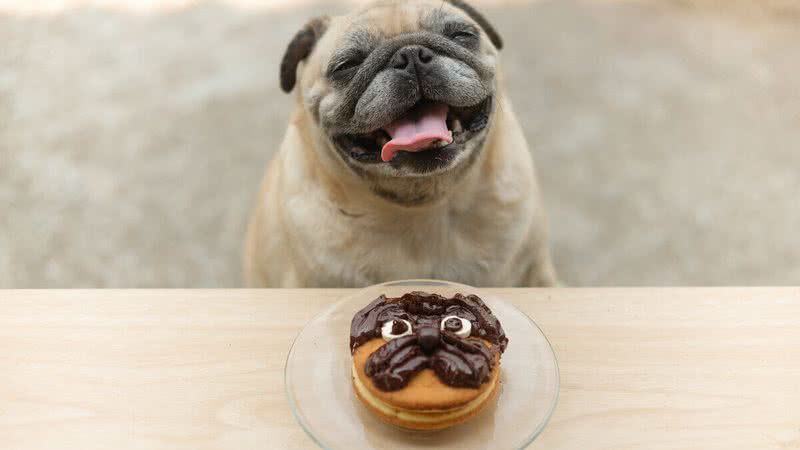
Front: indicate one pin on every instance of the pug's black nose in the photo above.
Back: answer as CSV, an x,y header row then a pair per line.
x,y
428,339
411,58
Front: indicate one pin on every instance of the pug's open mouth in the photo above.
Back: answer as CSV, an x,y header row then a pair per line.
x,y
427,136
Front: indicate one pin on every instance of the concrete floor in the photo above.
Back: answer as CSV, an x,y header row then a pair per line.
x,y
666,135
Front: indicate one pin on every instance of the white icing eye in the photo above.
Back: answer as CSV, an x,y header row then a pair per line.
x,y
459,326
393,329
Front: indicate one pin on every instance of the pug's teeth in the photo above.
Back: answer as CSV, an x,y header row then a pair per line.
x,y
457,128
356,152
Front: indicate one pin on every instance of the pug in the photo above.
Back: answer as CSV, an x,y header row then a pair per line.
x,y
403,158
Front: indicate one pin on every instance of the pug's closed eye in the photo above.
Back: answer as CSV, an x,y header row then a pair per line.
x,y
348,63
344,67
462,33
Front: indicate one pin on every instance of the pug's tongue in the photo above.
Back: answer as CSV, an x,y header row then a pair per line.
x,y
417,129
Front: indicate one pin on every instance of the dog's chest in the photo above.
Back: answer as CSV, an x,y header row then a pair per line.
x,y
470,247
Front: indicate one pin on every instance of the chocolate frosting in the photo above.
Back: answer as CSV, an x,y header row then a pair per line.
x,y
399,327
458,362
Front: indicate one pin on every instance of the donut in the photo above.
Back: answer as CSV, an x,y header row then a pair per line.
x,y
426,362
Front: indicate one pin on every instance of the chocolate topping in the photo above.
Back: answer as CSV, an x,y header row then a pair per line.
x,y
452,324
459,362
428,339
366,324
398,327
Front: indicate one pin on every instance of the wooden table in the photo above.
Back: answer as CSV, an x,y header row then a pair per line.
x,y
640,368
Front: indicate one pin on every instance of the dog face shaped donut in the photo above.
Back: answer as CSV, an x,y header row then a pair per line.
x,y
458,338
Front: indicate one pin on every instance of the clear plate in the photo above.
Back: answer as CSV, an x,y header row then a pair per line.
x,y
317,381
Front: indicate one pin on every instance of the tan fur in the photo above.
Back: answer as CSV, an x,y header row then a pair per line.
x,y
316,224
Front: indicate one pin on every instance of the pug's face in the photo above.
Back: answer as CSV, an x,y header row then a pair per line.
x,y
458,338
399,88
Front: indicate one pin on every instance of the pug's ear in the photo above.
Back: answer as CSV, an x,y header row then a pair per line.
x,y
494,36
301,46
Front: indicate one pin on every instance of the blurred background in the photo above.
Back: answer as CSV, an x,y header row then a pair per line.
x,y
133,136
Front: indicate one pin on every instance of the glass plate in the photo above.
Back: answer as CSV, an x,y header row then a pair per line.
x,y
317,381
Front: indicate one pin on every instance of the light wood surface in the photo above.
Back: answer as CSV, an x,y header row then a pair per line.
x,y
640,368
